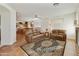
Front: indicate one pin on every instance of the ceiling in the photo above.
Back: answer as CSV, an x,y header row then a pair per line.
x,y
44,9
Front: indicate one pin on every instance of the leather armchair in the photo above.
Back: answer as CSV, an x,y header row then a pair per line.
x,y
58,34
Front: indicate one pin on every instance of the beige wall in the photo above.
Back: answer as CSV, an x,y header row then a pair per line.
x,y
65,22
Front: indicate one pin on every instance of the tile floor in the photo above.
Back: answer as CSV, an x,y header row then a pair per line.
x,y
70,49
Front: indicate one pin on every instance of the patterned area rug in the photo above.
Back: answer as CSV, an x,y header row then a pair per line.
x,y
46,47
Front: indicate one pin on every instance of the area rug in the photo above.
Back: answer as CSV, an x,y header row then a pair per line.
x,y
46,47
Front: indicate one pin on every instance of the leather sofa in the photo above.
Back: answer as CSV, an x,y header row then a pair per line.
x,y
58,34
33,36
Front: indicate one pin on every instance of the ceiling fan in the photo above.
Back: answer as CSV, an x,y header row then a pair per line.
x,y
56,4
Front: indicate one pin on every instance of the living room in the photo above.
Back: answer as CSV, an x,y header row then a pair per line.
x,y
62,20
40,29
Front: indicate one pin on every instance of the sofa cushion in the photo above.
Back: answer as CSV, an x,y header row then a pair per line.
x,y
61,31
55,31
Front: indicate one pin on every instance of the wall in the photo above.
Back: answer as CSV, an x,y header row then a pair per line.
x,y
68,24
65,22
8,25
77,15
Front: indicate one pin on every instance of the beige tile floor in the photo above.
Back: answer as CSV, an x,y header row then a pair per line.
x,y
70,49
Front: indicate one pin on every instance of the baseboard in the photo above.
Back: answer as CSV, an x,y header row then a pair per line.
x,y
7,44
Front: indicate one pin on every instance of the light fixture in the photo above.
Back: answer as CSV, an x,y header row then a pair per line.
x,y
56,4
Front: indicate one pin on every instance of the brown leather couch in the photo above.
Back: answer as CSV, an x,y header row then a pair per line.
x,y
34,36
58,34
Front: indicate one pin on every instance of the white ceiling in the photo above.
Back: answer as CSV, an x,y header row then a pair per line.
x,y
44,9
